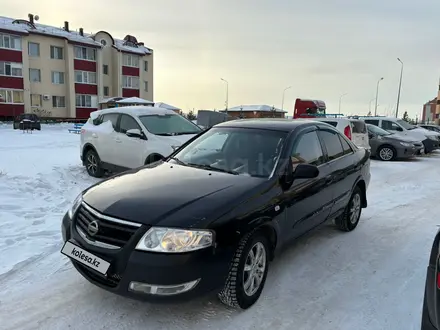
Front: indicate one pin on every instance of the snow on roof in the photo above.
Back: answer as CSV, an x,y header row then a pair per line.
x,y
130,100
165,105
138,110
257,108
23,26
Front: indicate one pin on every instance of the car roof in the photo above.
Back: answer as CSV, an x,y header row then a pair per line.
x,y
379,117
139,110
274,124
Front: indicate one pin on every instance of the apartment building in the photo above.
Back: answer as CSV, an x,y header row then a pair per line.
x,y
65,73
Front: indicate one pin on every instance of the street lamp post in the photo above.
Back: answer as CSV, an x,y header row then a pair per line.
x,y
340,101
284,92
369,106
377,95
227,95
400,86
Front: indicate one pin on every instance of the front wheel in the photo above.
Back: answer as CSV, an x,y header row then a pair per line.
x,y
93,164
386,153
247,273
349,220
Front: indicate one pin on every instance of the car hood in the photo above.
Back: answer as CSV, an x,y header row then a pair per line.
x,y
401,138
424,131
412,134
170,195
177,139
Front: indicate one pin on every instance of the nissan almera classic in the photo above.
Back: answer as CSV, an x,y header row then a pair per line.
x,y
212,215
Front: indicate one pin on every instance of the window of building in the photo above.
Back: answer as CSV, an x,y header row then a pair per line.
x,y
332,144
85,77
106,91
130,82
307,149
57,77
130,60
34,49
85,53
128,122
58,101
11,69
56,53
10,42
35,75
145,65
105,69
11,96
146,86
86,101
36,100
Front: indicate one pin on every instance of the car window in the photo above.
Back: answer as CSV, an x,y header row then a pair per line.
x,y
333,123
168,125
332,144
358,126
372,122
307,149
345,146
128,122
390,126
113,117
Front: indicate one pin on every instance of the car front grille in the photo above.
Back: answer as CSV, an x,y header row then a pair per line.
x,y
109,232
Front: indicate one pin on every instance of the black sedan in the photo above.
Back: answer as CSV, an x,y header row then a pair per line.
x,y
211,216
431,301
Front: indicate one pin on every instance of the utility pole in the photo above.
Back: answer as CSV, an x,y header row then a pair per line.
x,y
227,96
377,96
400,86
340,101
284,92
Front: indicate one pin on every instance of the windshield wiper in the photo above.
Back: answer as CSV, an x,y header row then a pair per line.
x,y
212,168
184,133
178,161
165,134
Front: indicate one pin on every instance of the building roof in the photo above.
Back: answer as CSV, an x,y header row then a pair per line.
x,y
257,108
166,106
25,27
131,100
268,123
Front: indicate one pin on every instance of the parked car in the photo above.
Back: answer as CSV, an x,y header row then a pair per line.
x,y
353,129
212,215
27,121
388,146
123,138
431,140
431,305
434,128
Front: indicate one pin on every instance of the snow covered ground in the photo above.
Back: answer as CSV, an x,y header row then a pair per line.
x,y
372,278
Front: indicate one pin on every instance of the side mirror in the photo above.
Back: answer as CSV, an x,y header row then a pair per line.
x,y
370,136
135,133
305,171
399,129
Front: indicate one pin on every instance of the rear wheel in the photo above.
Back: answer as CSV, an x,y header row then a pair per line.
x,y
386,153
349,220
247,273
93,164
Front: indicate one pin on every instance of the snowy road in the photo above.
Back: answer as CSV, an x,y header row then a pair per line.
x,y
372,278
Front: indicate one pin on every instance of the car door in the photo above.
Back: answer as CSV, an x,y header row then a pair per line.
x,y
105,138
391,126
342,161
131,150
308,201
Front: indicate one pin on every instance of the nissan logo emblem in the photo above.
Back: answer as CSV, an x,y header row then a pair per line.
x,y
93,228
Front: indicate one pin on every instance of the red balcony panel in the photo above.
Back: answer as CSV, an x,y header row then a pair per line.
x,y
86,89
9,55
84,65
130,71
84,113
11,82
126,92
11,110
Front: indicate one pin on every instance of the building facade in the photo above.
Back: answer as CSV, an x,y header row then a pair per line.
x,y
62,73
429,111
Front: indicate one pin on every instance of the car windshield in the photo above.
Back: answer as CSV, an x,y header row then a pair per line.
x,y
244,151
169,125
377,130
405,124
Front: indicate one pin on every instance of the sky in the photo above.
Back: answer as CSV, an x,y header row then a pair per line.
x,y
321,49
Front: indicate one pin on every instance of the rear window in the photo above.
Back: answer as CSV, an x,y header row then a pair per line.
x,y
333,123
358,126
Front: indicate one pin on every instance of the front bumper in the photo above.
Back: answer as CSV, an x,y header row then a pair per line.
x,y
430,145
407,152
209,266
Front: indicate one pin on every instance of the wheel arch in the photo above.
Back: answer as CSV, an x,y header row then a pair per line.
x,y
153,157
269,229
86,148
360,182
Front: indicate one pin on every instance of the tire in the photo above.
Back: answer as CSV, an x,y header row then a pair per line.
x,y
234,293
386,153
93,164
349,220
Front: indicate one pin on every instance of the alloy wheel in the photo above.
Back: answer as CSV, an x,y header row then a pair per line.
x,y
355,208
92,163
386,154
254,269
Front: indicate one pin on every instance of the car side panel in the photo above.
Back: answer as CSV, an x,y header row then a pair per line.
x,y
432,293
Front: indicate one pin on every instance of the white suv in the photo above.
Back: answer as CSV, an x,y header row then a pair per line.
x,y
123,138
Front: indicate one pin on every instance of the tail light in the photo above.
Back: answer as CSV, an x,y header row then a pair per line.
x,y
347,132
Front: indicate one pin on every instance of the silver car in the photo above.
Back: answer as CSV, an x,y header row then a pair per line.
x,y
388,146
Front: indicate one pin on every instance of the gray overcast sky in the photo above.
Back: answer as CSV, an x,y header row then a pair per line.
x,y
321,48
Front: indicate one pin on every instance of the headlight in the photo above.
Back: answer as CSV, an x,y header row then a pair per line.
x,y
169,240
406,144
75,206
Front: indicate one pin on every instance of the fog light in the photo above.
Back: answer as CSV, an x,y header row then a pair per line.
x,y
162,290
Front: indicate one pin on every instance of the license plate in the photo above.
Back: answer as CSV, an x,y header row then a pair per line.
x,y
86,258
